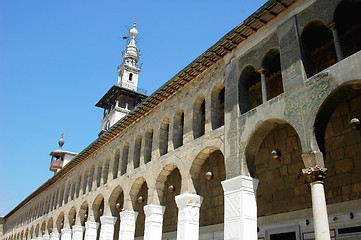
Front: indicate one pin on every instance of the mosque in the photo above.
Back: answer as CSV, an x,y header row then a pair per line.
x,y
258,138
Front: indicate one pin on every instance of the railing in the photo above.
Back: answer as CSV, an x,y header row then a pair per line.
x,y
137,89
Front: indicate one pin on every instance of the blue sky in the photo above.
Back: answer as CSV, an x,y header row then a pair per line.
x,y
58,58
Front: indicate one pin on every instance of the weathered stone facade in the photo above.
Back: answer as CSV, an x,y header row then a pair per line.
x,y
196,160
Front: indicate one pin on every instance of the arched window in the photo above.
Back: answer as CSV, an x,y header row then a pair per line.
x,y
137,148
148,145
199,117
163,137
217,111
116,164
250,89
348,25
318,47
272,69
125,154
178,128
130,76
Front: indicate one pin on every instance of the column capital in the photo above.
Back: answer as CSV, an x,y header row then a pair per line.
x,y
240,183
261,71
108,220
332,26
153,209
188,200
314,173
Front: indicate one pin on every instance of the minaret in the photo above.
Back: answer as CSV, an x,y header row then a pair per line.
x,y
125,96
59,158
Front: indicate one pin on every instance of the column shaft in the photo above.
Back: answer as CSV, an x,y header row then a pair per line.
x,y
91,230
264,87
240,213
337,43
46,237
153,222
127,224
78,232
319,209
188,216
54,236
66,234
107,227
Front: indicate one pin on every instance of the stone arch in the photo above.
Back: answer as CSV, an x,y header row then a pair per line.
x,y
163,136
72,216
348,25
139,189
255,140
83,213
250,89
209,161
217,106
43,228
137,150
98,207
125,155
50,225
281,185
318,47
339,143
169,176
178,128
116,161
116,203
271,64
148,145
60,221
198,161
199,116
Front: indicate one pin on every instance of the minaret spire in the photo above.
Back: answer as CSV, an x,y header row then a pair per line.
x,y
125,96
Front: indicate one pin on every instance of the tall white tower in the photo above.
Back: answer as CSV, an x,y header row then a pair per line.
x,y
125,96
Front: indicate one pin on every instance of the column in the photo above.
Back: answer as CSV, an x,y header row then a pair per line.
x,y
91,230
240,208
337,42
78,232
39,237
315,175
127,224
66,234
55,234
153,222
107,229
46,236
188,216
263,84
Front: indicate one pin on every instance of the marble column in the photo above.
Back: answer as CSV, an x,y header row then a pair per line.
x,y
91,230
46,236
188,216
337,42
54,235
127,224
107,229
66,234
153,222
240,208
315,175
263,84
78,232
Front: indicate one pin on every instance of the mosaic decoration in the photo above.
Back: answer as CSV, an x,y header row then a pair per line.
x,y
301,108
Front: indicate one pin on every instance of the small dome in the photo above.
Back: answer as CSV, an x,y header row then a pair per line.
x,y
133,33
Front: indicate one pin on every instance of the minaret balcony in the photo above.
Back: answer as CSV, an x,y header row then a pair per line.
x,y
55,165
